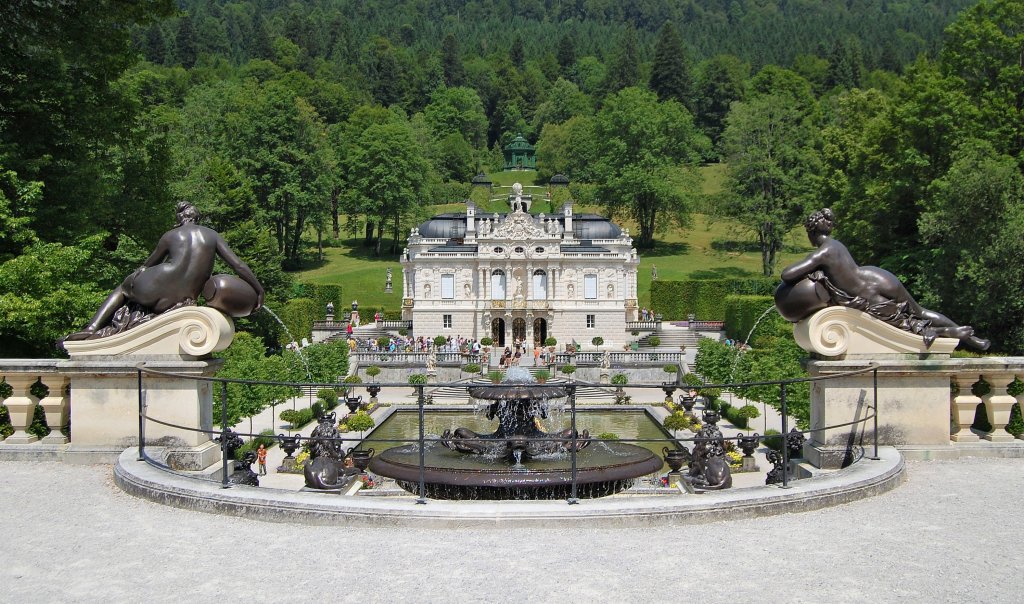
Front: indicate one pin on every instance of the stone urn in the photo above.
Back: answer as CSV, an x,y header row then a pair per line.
x,y
361,459
675,458
748,444
374,391
687,402
289,444
353,403
711,417
669,390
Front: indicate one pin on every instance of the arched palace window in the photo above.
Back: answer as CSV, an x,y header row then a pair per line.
x,y
498,285
540,285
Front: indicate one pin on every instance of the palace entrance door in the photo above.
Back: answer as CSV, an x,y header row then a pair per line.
x,y
540,331
498,332
519,329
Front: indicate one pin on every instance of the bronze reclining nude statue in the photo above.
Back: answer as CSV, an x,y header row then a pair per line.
x,y
174,275
829,276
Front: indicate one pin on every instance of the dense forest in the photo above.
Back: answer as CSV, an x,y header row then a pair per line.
x,y
294,123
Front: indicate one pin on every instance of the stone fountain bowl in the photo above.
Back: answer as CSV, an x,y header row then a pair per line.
x,y
602,469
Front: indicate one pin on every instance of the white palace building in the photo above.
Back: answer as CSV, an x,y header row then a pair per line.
x,y
520,275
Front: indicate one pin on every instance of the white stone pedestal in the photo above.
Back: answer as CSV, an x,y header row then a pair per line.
x,y
913,408
105,408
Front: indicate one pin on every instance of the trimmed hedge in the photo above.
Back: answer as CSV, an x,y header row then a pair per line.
x,y
321,294
704,298
741,312
298,314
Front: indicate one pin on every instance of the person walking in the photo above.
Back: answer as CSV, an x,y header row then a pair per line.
x,y
261,458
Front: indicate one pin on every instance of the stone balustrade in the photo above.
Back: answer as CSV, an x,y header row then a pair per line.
x,y
643,325
922,403
412,359
619,359
21,375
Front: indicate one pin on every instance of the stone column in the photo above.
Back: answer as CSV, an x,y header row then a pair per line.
x,y
964,406
528,288
21,406
55,405
997,406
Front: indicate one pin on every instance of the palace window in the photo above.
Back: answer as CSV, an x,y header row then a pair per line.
x,y
590,287
540,285
446,321
498,285
591,321
447,287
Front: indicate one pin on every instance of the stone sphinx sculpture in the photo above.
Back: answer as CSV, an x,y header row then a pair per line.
x,y
829,276
174,275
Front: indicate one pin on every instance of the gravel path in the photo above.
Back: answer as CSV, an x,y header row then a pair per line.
x,y
947,535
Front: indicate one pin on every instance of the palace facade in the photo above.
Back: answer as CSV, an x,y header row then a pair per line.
x,y
520,275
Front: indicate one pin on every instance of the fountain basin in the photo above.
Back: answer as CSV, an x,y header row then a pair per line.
x,y
601,469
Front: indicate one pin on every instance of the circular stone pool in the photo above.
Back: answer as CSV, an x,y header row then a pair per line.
x,y
601,469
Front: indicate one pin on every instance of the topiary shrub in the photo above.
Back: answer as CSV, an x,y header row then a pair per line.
x,y
620,379
568,369
297,417
772,439
317,409
550,342
440,341
542,375
670,369
329,397
471,368
417,379
597,341
373,371
486,341
654,341
352,379
383,342
677,421
403,332
360,421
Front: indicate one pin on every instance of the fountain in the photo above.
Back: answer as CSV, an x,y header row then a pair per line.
x,y
519,460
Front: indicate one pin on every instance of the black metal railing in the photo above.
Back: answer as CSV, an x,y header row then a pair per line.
x,y
421,401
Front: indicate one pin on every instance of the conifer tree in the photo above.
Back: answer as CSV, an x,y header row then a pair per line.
x,y
566,53
451,62
185,42
670,74
517,53
624,68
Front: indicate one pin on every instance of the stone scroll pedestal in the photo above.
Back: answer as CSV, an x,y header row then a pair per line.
x,y
105,389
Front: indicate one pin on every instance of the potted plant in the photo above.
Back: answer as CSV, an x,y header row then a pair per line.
x,y
486,343
597,341
495,376
417,379
542,376
440,341
372,372
471,368
568,370
654,341
551,343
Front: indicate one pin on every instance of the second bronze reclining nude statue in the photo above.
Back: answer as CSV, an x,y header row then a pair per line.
x,y
174,275
829,276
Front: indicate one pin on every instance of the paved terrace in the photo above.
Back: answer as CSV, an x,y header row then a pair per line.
x,y
947,535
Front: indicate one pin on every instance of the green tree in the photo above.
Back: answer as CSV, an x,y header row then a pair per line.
x,y
517,54
564,101
720,81
983,49
451,61
773,169
186,48
624,66
670,74
972,265
457,111
246,359
386,172
566,53
639,146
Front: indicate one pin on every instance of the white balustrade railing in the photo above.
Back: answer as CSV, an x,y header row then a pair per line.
x,y
21,376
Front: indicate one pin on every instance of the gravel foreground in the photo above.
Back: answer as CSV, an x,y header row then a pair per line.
x,y
947,535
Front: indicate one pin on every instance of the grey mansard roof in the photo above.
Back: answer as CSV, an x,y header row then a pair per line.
x,y
584,226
